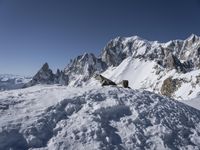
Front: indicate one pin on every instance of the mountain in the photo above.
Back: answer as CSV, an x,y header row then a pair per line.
x,y
46,76
182,55
82,68
9,81
59,117
171,69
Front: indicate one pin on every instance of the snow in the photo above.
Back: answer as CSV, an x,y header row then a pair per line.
x,y
189,89
137,71
195,102
94,117
141,50
148,75
58,117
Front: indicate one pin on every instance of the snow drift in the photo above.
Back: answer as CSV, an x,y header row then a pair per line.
x,y
57,117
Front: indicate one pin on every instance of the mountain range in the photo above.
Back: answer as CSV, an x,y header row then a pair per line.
x,y
171,69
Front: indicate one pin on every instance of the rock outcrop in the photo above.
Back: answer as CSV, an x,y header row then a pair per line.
x,y
103,80
83,67
169,86
124,83
43,76
61,78
46,76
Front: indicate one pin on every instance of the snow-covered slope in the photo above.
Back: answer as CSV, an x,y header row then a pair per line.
x,y
8,81
59,117
146,74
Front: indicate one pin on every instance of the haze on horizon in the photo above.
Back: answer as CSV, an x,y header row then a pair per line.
x,y
33,31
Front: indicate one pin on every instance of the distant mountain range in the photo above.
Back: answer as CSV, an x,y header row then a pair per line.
x,y
9,81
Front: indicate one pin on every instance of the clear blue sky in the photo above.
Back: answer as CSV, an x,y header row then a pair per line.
x,y
36,31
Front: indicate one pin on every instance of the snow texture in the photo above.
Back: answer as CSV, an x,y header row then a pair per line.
x,y
58,118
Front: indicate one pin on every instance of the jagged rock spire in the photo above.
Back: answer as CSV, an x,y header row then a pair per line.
x,y
43,76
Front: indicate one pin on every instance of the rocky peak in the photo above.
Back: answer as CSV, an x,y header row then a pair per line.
x,y
182,50
45,67
120,48
43,76
192,38
61,78
83,68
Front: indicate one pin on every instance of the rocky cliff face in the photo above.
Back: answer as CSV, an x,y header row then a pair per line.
x,y
182,55
43,76
83,67
46,76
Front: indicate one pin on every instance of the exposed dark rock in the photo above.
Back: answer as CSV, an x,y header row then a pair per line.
x,y
103,80
172,62
61,78
169,86
43,76
83,67
198,79
124,83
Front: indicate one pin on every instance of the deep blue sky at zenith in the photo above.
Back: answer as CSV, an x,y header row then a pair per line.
x,y
36,31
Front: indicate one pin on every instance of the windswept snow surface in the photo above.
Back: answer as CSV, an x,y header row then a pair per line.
x,y
57,118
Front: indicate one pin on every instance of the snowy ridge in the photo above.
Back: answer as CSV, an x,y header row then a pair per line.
x,y
58,117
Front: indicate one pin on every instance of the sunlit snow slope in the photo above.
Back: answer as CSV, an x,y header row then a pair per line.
x,y
148,75
58,117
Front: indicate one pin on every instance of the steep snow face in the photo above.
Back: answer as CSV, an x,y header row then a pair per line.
x,y
148,75
56,117
82,68
140,73
8,81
